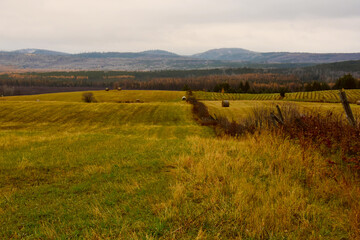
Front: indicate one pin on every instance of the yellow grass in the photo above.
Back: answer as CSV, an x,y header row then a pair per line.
x,y
239,109
316,96
262,188
105,96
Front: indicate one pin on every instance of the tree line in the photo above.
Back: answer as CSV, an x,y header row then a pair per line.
x,y
244,80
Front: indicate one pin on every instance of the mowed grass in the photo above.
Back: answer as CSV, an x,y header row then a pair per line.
x,y
70,170
149,171
73,115
105,96
241,109
315,96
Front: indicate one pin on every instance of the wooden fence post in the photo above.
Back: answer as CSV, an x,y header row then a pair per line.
x,y
280,114
347,109
277,121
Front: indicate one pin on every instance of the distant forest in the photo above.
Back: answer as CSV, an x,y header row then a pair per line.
x,y
250,80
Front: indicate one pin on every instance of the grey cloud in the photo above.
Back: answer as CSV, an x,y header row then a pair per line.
x,y
186,26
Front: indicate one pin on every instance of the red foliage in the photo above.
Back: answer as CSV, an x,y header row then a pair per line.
x,y
329,134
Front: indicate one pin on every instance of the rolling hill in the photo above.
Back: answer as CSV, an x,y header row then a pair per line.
x,y
39,52
239,54
160,60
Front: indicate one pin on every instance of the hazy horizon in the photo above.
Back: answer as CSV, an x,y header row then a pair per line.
x,y
144,50
182,27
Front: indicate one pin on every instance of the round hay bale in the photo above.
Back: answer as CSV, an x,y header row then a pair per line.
x,y
225,103
358,102
183,98
119,88
106,89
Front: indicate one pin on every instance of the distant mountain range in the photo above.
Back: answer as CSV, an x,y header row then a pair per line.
x,y
145,54
39,52
238,54
159,59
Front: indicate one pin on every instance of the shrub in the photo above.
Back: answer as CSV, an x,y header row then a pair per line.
x,y
191,99
88,97
201,112
329,133
282,92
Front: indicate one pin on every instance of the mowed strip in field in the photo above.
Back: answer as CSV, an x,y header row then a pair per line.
x,y
240,109
105,96
315,96
69,169
149,171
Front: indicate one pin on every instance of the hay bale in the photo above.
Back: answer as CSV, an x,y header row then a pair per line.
x,y
225,103
183,98
106,89
137,100
119,88
358,102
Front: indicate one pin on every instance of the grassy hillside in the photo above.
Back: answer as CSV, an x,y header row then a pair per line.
x,y
105,96
241,109
77,169
316,96
149,171
96,116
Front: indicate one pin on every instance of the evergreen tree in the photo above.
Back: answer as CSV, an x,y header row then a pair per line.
x,y
246,87
282,92
219,87
347,82
186,88
241,87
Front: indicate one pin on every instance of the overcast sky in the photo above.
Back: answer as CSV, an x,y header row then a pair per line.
x,y
181,26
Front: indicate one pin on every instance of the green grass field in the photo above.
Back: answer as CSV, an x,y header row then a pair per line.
x,y
316,96
240,109
104,170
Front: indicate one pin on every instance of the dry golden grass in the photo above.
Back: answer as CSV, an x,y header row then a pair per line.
x,y
315,96
240,109
262,188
